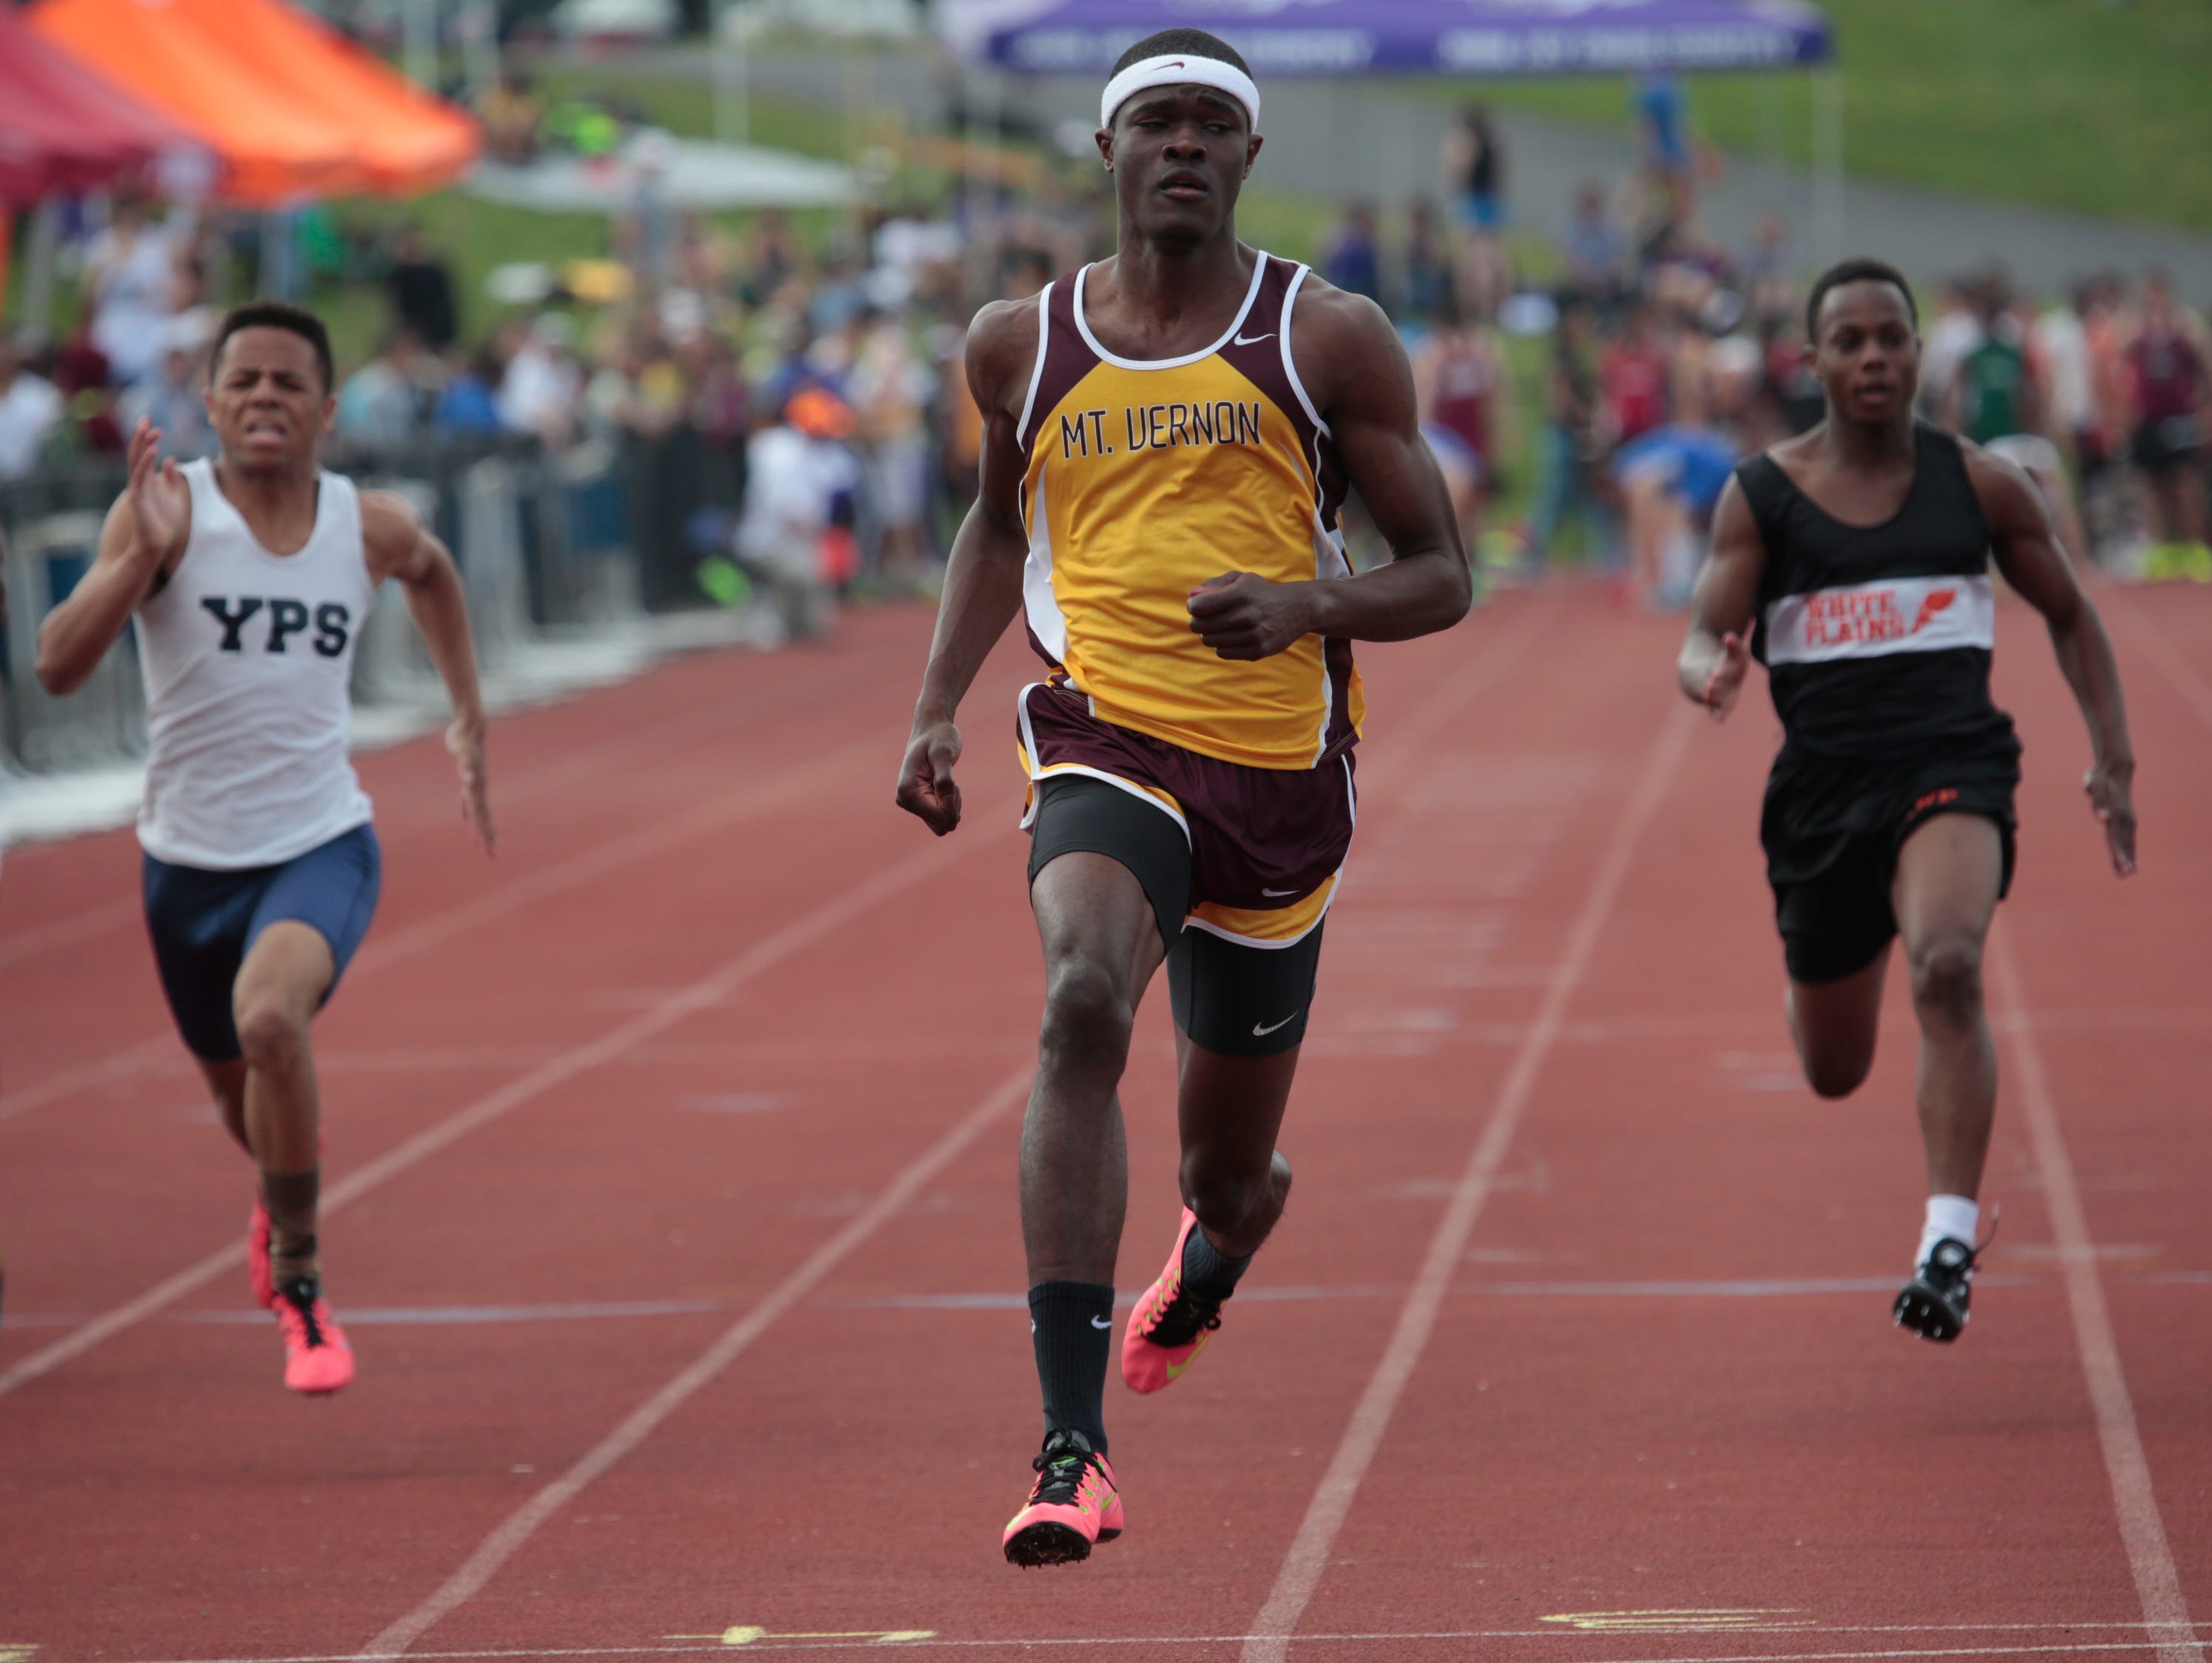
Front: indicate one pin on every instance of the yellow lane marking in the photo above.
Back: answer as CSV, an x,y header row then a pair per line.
x,y
1678,1622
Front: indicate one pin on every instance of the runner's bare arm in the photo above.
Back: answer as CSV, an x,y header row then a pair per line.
x,y
1717,653
2028,554
141,541
1354,368
401,547
983,578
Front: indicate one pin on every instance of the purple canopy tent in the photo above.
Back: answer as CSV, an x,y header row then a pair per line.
x,y
1476,39
1422,37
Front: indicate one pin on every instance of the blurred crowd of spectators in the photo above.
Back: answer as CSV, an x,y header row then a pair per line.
x,y
774,408
788,418
1667,357
138,349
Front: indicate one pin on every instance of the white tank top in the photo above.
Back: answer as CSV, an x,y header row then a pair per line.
x,y
248,657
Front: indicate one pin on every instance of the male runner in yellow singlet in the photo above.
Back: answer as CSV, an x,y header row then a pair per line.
x,y
1169,435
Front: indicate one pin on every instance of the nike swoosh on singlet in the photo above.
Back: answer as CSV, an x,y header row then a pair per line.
x,y
1254,339
1259,1033
1280,892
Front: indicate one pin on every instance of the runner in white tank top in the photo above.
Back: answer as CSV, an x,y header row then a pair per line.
x,y
249,578
247,657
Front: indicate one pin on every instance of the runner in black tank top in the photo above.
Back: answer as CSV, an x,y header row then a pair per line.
x,y
1859,554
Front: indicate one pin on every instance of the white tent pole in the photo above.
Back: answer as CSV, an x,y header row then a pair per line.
x,y
733,76
983,115
1830,230
419,41
989,160
479,25
41,257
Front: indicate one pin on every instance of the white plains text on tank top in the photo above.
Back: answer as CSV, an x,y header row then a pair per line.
x,y
1870,620
248,658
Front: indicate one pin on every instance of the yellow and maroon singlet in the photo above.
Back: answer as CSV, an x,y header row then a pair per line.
x,y
1145,478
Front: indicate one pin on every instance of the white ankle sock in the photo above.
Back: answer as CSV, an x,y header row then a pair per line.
x,y
1954,1216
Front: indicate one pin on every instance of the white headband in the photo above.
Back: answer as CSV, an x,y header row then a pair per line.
x,y
1179,72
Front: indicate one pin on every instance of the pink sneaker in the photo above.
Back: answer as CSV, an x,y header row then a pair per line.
x,y
317,1359
257,1257
1169,1326
1072,1504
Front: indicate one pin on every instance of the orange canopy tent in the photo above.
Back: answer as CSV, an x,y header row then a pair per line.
x,y
292,111
407,140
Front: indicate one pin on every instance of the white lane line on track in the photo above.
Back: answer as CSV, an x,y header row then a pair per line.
x,y
2195,692
1406,749
943,1643
433,1316
1309,1553
68,1082
744,803
78,926
422,1316
766,955
2143,1530
1770,1289
563,770
496,1548
163,1047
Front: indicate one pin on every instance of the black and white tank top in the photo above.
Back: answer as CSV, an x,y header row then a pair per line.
x,y
1877,638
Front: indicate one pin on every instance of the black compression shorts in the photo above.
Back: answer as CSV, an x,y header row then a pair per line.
x,y
1228,997
1831,828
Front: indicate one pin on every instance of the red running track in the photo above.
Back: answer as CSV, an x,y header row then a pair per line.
x,y
673,1163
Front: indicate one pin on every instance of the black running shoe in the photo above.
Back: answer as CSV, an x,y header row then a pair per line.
x,y
1934,1303
1072,1504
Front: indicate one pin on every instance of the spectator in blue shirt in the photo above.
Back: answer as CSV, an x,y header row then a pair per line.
x,y
1354,260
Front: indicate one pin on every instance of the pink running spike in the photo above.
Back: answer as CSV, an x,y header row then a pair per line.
x,y
1146,1365
1069,1507
318,1361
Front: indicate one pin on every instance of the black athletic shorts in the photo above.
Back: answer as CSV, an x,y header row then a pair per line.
x,y
1228,997
2161,448
1831,828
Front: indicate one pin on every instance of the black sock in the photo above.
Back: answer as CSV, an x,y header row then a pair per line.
x,y
1206,1271
291,1200
1071,1329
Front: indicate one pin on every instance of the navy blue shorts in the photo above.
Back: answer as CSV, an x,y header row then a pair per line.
x,y
205,923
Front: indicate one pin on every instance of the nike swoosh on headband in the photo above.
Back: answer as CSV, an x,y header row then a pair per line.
x,y
1222,77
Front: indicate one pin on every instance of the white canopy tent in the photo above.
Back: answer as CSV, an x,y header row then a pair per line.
x,y
689,173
